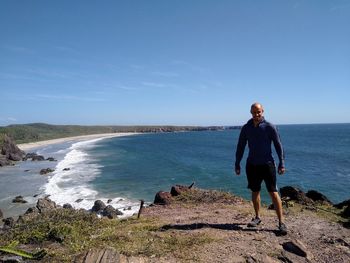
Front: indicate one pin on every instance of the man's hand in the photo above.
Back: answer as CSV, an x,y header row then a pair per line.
x,y
281,170
238,171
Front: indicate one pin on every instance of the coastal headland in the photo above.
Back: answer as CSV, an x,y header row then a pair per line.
x,y
193,225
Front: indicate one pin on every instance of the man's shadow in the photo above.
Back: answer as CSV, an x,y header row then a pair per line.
x,y
228,227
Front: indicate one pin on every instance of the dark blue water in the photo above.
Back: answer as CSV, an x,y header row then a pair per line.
x,y
317,157
125,169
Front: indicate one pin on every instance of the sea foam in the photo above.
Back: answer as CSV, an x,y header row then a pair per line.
x,y
71,181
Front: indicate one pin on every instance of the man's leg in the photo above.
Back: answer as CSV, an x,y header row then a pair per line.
x,y
276,200
256,203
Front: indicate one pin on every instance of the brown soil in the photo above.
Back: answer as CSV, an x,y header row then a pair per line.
x,y
226,221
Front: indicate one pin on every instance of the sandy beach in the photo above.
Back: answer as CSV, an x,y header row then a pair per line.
x,y
31,145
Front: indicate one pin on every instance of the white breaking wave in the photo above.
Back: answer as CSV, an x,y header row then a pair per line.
x,y
70,182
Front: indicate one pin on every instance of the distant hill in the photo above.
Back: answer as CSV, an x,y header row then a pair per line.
x,y
23,133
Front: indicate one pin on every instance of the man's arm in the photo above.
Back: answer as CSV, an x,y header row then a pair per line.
x,y
279,150
242,141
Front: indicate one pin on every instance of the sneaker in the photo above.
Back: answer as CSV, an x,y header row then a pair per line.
x,y
282,228
255,221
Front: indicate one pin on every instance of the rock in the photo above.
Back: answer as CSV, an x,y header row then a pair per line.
x,y
27,170
298,248
109,201
68,206
317,196
110,212
19,199
346,212
79,200
99,206
45,204
10,149
66,169
8,222
296,194
46,171
1,214
32,210
4,161
342,204
162,198
100,256
178,189
11,259
38,158
30,155
51,159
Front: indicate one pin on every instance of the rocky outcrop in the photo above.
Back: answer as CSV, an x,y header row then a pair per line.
x,y
19,199
46,171
178,189
45,204
1,214
98,207
165,198
9,151
162,198
318,197
295,194
110,212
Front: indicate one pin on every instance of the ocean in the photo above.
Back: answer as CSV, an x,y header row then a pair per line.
x,y
127,169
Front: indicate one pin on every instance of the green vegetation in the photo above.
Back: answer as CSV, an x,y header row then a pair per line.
x,y
195,196
23,133
74,232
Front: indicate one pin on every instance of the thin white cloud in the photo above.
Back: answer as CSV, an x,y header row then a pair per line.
x,y
18,49
190,66
67,97
165,74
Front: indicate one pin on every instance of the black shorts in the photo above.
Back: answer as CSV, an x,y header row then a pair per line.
x,y
258,173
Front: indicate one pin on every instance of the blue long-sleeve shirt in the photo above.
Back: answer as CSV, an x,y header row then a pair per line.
x,y
259,143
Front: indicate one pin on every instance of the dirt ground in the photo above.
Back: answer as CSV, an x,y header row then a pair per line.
x,y
318,239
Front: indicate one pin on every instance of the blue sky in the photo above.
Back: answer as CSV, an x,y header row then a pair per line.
x,y
161,62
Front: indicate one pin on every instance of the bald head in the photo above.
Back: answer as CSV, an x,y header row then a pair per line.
x,y
256,105
257,112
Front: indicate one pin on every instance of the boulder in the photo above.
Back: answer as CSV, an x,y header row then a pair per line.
x,y
4,161
45,204
38,158
111,212
10,149
1,214
342,204
32,210
79,200
66,169
99,206
318,197
178,189
19,199
162,198
51,159
298,248
68,206
295,194
8,222
46,171
346,212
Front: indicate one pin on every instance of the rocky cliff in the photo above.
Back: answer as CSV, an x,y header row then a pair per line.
x,y
9,151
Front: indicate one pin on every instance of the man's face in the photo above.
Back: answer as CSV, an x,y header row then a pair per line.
x,y
257,113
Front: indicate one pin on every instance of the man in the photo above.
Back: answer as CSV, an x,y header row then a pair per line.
x,y
260,164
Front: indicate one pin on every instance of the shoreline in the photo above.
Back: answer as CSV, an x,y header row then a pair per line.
x,y
32,145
